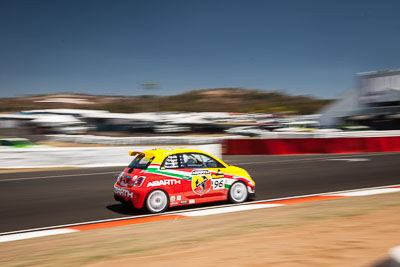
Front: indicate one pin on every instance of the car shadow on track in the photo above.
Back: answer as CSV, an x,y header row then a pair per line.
x,y
129,210
124,209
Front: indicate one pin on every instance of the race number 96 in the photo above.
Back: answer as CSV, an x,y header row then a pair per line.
x,y
218,184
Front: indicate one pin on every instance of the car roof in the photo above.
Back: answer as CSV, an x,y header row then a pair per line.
x,y
160,152
174,150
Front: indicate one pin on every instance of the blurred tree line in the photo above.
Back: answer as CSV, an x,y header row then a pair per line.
x,y
226,99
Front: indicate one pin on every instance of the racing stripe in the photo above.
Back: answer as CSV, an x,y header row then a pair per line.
x,y
186,175
167,173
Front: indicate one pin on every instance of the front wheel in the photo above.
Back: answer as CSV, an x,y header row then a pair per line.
x,y
238,193
157,201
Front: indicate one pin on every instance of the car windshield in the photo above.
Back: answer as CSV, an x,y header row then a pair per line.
x,y
140,162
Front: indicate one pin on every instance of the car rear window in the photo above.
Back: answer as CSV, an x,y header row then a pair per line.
x,y
140,162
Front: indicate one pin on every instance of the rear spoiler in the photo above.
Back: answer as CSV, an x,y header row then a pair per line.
x,y
147,154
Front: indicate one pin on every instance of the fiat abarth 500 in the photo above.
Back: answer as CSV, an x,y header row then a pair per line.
x,y
160,178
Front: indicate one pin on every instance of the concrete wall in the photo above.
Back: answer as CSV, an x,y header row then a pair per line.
x,y
80,156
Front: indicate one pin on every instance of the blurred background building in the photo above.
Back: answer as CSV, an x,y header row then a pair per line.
x,y
375,103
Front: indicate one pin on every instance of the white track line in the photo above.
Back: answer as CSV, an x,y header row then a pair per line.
x,y
335,193
394,253
57,176
21,236
4,237
368,192
342,192
228,209
351,159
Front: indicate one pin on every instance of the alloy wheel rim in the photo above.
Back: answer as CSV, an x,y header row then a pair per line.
x,y
239,192
157,201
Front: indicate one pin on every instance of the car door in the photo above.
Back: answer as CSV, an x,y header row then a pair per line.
x,y
205,174
198,179
170,174
217,170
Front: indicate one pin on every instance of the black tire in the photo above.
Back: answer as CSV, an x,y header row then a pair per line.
x,y
238,193
157,201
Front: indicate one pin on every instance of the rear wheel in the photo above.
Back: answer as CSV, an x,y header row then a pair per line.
x,y
238,193
157,201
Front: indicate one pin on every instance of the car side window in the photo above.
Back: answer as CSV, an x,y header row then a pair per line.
x,y
192,160
209,162
171,162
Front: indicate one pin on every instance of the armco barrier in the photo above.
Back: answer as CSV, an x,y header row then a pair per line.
x,y
311,145
80,156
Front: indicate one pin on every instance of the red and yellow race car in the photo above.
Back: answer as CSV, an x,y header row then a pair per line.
x,y
161,178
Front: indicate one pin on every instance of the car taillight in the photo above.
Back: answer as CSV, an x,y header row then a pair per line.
x,y
139,181
119,177
131,183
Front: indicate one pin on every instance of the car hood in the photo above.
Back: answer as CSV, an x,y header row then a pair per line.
x,y
239,171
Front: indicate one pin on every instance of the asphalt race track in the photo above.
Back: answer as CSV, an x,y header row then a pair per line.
x,y
39,199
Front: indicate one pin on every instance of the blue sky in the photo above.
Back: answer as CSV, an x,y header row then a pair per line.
x,y
111,47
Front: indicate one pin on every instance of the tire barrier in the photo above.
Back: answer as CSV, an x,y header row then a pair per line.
x,y
311,145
